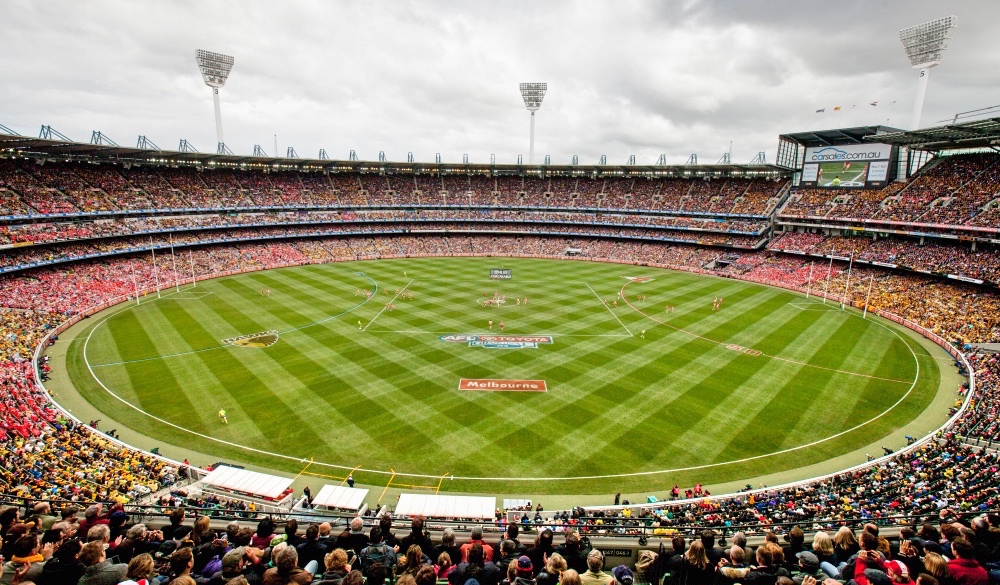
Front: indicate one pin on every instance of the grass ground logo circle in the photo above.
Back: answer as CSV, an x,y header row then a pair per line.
x,y
263,339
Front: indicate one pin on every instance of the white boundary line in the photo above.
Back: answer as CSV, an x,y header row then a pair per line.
x,y
600,300
515,479
383,308
540,334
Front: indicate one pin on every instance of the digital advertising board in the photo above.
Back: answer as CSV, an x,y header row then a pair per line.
x,y
859,166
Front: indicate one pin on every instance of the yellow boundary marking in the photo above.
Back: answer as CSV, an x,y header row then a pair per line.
x,y
386,485
349,475
440,481
304,468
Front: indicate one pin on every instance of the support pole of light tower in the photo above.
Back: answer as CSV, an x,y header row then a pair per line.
x,y
533,93
924,45
215,68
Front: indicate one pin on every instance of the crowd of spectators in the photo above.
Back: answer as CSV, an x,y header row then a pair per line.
x,y
959,190
56,187
981,263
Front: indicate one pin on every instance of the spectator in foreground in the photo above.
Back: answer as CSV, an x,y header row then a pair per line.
x,y
595,574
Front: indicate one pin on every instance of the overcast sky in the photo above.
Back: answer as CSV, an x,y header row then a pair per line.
x,y
625,77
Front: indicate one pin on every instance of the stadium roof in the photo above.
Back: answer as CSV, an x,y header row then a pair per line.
x,y
42,148
841,136
976,134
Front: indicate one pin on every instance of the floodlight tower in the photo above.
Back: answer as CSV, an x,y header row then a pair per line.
x,y
215,69
533,93
924,44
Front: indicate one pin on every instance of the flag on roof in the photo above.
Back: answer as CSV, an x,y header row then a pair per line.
x,y
837,109
874,103
821,110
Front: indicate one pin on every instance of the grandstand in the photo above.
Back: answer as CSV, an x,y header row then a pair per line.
x,y
916,245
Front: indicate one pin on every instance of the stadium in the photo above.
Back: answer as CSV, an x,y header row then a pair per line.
x,y
711,353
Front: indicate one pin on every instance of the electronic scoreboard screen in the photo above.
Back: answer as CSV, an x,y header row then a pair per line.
x,y
500,274
848,166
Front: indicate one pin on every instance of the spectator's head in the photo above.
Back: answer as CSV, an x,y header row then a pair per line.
x,y
844,539
243,537
708,539
325,529
623,575
356,578
232,561
927,579
569,577
232,529
137,532
92,512
929,532
512,531
176,516
808,561
696,555
385,523
949,531
545,539
897,571
476,556
41,509
679,544
868,541
312,533
740,540
417,526
448,537
822,544
736,555
99,532
25,546
936,565
181,561
796,538
556,565
962,548
507,548
357,524
414,555
140,567
336,560
291,527
444,560
377,574
477,533
265,528
425,576
286,560
524,567
595,560
92,554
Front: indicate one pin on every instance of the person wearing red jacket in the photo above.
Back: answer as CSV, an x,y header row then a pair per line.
x,y
964,569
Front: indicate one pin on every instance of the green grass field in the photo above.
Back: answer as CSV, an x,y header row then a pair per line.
x,y
769,382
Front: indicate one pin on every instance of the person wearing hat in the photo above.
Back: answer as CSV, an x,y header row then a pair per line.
x,y
623,575
595,574
808,567
524,571
898,572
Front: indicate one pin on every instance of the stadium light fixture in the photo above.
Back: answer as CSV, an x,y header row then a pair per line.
x,y
215,68
533,94
924,45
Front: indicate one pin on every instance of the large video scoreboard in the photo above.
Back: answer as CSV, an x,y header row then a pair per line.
x,y
853,166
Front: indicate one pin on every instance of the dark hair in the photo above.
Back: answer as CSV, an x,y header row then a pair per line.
x,y
385,523
512,530
179,560
377,574
679,544
354,578
25,545
708,538
544,539
176,516
417,526
959,546
475,562
375,535
312,533
68,550
292,526
425,576
265,527
868,541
